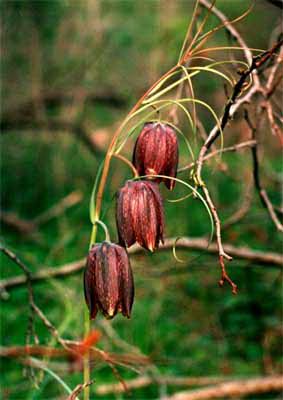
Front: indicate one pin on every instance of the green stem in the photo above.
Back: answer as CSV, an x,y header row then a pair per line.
x,y
101,188
93,234
87,328
86,357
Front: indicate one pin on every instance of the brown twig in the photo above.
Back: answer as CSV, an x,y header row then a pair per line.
x,y
79,388
78,129
234,148
233,389
276,131
271,81
257,62
146,380
20,225
35,310
261,191
12,256
217,131
244,207
127,162
222,253
231,29
30,227
199,244
57,209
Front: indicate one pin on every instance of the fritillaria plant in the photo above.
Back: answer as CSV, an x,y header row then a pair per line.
x,y
108,278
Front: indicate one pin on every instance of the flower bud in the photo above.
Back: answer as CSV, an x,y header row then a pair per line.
x,y
139,214
156,152
108,281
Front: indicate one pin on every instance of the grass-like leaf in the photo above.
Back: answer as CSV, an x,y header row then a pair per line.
x,y
93,194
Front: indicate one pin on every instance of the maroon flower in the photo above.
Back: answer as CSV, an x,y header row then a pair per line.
x,y
108,281
156,152
139,214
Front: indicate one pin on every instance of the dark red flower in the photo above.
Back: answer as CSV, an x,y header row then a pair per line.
x,y
108,281
139,214
156,152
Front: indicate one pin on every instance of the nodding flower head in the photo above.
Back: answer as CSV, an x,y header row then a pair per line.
x,y
139,214
108,281
156,152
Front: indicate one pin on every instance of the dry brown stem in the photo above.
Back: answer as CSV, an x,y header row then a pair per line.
x,y
199,244
145,380
255,63
233,389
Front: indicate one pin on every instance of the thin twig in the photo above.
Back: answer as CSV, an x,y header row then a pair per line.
x,y
57,209
79,388
146,380
257,62
30,228
127,162
244,208
263,258
234,148
233,389
272,74
12,256
34,308
261,191
231,29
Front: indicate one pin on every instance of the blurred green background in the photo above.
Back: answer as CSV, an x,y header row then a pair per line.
x,y
87,62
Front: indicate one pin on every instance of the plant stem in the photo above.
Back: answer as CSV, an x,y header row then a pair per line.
x,y
102,183
109,153
87,328
86,356
126,161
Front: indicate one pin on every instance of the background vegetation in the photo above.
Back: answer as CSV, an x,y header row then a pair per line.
x,y
87,62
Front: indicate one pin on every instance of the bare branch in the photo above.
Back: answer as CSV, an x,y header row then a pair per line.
x,y
146,380
257,62
79,388
261,191
271,82
234,148
214,134
78,129
244,207
30,227
233,389
57,209
200,244
34,308
30,329
222,254
230,28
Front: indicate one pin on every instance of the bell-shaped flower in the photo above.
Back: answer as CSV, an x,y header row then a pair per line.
x,y
108,281
139,214
156,152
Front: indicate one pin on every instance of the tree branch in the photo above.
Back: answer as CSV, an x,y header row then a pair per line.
x,y
199,244
35,310
257,62
79,388
146,380
234,148
30,227
78,129
233,389
261,191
